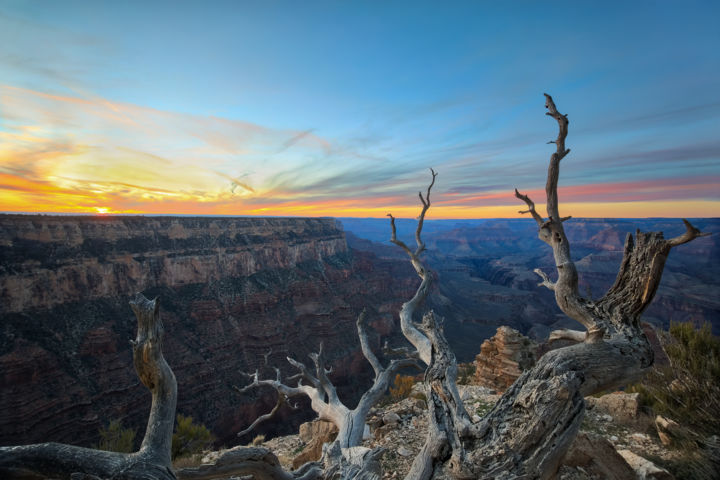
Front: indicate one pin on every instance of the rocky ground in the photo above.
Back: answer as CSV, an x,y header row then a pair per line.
x,y
616,440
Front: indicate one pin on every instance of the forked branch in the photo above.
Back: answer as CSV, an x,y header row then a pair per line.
x,y
407,325
323,395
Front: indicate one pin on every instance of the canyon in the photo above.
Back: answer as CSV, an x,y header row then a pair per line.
x,y
230,291
233,290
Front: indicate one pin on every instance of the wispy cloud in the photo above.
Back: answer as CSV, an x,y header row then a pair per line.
x,y
79,154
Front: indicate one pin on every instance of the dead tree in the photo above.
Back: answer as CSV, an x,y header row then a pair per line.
x,y
528,431
447,418
323,396
407,325
152,461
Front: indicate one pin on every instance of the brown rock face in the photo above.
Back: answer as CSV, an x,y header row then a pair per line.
x,y
598,457
314,434
230,290
503,358
621,406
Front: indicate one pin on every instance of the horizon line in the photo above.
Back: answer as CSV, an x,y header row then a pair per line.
x,y
191,215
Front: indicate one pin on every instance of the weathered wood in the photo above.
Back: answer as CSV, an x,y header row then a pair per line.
x,y
355,463
152,461
448,421
407,325
259,463
323,396
529,430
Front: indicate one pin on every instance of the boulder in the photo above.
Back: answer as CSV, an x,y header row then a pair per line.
x,y
503,358
668,430
391,418
623,407
645,469
597,457
314,434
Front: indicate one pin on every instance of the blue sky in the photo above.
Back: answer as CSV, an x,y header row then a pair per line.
x,y
339,108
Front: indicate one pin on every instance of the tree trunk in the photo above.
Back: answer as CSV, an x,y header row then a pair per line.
x,y
152,461
529,430
257,462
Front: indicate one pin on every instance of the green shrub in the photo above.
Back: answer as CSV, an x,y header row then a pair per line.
x,y
189,438
688,392
115,438
466,373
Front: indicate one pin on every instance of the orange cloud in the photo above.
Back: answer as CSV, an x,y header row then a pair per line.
x,y
68,154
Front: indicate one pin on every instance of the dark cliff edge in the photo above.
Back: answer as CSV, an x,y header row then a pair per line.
x,y
231,289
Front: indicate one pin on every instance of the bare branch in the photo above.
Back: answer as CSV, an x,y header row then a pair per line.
x,y
421,219
282,399
561,151
566,334
322,376
531,207
399,351
304,372
364,344
691,233
394,239
545,280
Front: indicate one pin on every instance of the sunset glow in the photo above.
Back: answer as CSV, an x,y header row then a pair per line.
x,y
261,112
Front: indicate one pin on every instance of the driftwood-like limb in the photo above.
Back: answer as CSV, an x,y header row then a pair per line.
x,y
282,400
407,325
255,462
365,344
152,461
567,334
552,232
531,208
691,233
355,463
421,218
322,393
448,422
156,375
545,280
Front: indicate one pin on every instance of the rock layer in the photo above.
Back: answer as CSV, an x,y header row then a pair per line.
x,y
503,358
230,290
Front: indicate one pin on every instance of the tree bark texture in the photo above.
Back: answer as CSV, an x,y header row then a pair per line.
x,y
257,462
152,461
529,430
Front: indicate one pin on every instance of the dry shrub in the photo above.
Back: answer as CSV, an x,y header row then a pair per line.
x,y
189,438
402,386
688,392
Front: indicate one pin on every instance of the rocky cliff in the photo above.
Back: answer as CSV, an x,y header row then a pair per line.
x,y
503,358
231,289
485,273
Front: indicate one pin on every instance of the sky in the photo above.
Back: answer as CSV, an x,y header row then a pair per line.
x,y
340,108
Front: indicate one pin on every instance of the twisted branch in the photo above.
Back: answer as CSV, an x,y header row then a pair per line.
x,y
408,327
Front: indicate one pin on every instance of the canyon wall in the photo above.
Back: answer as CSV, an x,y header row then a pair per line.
x,y
230,290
